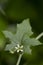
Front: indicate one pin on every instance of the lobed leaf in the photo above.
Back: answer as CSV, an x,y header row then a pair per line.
x,y
28,42
21,37
23,28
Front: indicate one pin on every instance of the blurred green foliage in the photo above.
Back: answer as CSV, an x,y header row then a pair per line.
x,y
16,11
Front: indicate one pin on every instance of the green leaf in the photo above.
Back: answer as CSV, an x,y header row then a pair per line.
x,y
22,29
28,42
27,49
22,37
11,37
10,46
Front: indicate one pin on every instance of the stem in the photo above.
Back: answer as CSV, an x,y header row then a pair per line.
x,y
19,59
39,36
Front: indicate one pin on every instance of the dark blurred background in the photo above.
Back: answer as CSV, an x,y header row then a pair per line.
x,y
13,12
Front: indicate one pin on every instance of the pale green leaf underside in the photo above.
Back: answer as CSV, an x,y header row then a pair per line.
x,y
27,49
11,36
21,37
28,42
10,46
12,39
23,28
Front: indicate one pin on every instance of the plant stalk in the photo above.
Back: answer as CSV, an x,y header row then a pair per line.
x,y
39,36
19,59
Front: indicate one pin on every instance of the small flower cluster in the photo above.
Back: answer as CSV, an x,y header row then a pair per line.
x,y
18,48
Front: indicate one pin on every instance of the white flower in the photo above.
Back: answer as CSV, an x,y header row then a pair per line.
x,y
19,48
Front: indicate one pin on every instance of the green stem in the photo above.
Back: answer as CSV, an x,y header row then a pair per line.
x,y
19,59
39,36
